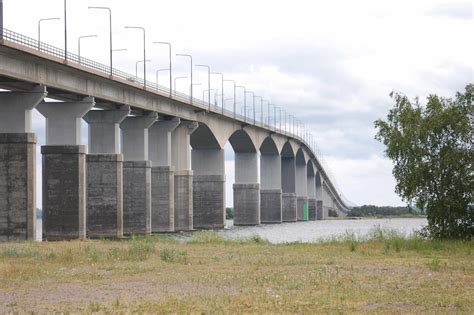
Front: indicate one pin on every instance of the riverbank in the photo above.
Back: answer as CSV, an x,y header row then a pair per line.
x,y
163,274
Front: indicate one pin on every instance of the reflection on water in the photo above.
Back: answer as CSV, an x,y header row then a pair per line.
x,y
309,231
312,231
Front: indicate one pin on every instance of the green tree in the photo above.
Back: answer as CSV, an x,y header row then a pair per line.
x,y
432,151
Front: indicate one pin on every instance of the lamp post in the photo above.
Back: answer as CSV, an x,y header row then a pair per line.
x,y
234,93
262,116
222,87
157,73
144,50
169,56
177,78
191,69
208,83
39,29
254,97
209,92
120,49
79,43
65,30
245,100
136,66
110,32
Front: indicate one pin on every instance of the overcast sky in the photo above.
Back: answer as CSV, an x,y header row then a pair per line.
x,y
332,63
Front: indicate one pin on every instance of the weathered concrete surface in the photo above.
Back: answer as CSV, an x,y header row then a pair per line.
x,y
270,206
312,209
289,213
64,192
104,195
302,206
162,199
208,201
247,201
319,210
137,197
17,186
183,200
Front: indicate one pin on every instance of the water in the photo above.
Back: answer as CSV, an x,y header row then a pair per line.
x,y
312,231
309,231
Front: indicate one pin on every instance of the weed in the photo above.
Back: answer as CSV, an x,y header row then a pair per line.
x,y
171,255
140,248
17,252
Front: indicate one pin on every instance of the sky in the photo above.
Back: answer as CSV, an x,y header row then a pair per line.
x,y
331,63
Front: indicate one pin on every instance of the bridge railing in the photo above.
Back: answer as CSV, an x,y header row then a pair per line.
x,y
260,120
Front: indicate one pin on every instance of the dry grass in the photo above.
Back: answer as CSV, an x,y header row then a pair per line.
x,y
385,274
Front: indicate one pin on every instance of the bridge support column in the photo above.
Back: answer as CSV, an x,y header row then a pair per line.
x,y
105,173
162,175
183,177
301,193
18,165
288,171
208,189
311,189
246,190
270,192
64,170
319,196
136,174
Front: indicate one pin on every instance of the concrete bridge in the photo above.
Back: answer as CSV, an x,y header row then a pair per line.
x,y
154,161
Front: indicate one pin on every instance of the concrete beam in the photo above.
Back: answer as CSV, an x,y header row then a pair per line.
x,y
63,120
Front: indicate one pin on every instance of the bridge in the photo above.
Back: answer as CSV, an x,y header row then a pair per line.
x,y
154,161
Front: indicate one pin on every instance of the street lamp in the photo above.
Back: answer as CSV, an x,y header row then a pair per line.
x,y
136,66
208,83
121,49
110,32
39,29
144,51
191,68
245,99
209,92
175,79
157,72
222,87
261,110
254,97
65,30
169,50
79,43
234,93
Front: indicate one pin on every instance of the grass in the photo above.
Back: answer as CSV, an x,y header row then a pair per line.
x,y
384,272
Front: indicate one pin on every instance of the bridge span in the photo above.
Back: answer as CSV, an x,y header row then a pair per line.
x,y
154,161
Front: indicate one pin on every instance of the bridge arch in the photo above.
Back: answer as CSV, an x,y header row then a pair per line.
x,y
203,138
269,147
241,142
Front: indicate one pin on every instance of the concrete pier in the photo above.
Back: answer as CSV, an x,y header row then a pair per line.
x,y
136,174
18,165
319,210
246,189
64,170
105,173
208,188
183,177
301,187
289,206
270,192
162,175
311,190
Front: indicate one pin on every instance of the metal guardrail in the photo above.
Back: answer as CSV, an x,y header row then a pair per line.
x,y
105,70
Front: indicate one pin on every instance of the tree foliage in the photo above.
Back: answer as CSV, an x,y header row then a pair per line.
x,y
432,151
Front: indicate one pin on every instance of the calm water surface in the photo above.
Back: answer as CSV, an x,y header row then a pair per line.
x,y
310,231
